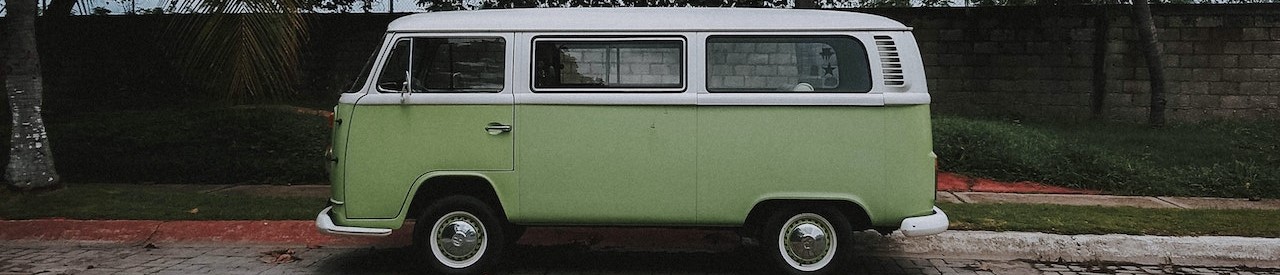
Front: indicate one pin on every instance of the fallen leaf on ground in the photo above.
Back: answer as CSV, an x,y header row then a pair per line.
x,y
194,210
279,256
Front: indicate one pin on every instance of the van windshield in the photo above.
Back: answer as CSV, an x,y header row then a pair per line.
x,y
364,72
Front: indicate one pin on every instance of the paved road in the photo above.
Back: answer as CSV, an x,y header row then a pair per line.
x,y
565,259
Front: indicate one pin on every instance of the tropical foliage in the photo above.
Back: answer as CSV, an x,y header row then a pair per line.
x,y
244,50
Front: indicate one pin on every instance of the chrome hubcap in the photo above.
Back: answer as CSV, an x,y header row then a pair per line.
x,y
806,242
459,236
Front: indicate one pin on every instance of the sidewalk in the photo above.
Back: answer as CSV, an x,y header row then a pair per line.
x,y
979,245
1109,200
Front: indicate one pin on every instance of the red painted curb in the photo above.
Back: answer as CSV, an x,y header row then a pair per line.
x,y
108,231
267,232
190,232
953,182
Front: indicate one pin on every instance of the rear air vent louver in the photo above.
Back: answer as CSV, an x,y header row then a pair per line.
x,y
890,61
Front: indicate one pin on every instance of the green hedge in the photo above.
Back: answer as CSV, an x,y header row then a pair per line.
x,y
1230,159
215,146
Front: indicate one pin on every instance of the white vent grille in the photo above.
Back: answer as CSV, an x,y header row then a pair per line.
x,y
890,61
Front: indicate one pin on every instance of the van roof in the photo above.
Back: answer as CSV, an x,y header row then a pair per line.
x,y
642,19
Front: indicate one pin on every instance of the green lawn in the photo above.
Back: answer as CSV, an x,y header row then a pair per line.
x,y
152,202
1061,219
1227,159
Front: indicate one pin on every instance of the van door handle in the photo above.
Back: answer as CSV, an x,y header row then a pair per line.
x,y
497,128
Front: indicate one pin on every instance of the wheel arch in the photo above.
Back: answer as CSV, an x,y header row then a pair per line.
x,y
857,215
435,185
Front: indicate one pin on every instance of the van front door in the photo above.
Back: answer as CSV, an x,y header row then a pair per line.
x,y
442,103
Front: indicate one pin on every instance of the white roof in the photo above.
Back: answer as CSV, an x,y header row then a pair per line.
x,y
642,19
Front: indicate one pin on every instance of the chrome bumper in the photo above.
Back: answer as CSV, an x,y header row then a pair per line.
x,y
925,225
325,224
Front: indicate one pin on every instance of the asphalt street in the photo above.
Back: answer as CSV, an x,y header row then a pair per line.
x,y
45,258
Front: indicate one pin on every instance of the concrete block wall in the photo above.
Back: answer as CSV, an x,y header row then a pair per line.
x,y
753,65
1075,62
1222,64
1005,61
1063,62
774,65
625,66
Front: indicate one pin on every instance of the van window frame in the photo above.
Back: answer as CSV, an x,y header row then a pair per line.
x,y
858,44
395,38
684,52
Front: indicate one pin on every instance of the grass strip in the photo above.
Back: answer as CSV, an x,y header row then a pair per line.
x,y
153,202
1073,220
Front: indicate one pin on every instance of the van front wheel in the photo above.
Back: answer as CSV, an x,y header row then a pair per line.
x,y
807,241
459,235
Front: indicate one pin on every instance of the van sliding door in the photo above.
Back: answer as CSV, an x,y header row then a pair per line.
x,y
605,135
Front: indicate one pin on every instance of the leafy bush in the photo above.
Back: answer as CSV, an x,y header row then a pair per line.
x,y
1232,159
223,145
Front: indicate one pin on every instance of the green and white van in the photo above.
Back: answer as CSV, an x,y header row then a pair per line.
x,y
797,126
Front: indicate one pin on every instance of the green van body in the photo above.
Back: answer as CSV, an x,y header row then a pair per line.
x,y
662,165
692,158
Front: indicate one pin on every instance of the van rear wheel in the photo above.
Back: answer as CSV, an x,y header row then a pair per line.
x,y
459,235
807,240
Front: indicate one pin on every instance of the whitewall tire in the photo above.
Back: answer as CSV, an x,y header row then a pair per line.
x,y
459,235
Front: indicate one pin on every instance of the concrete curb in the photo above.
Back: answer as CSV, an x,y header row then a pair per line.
x,y
1200,251
1204,250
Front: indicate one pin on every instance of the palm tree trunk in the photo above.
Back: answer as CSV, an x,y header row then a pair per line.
x,y
30,160
1155,66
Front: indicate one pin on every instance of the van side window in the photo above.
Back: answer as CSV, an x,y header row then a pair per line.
x,y
392,78
445,65
801,64
608,64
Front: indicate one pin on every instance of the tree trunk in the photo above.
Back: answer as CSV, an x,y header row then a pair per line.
x,y
30,160
1155,65
59,8
1101,41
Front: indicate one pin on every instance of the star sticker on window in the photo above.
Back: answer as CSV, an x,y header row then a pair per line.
x,y
829,70
827,53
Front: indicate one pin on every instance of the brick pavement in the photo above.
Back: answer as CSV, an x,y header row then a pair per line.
x,y
564,259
